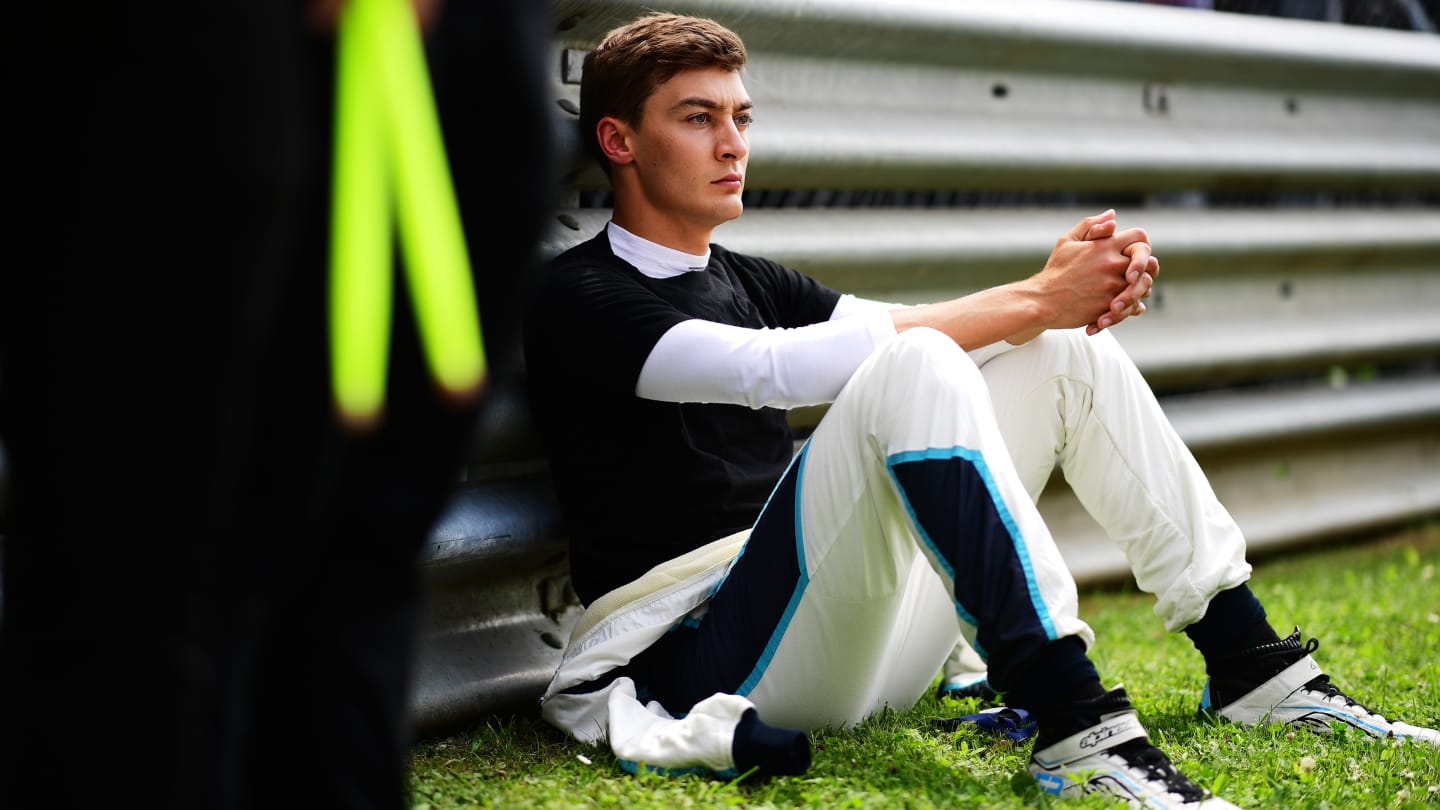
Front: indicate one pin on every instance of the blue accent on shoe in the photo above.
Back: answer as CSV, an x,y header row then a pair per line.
x,y
1050,783
1340,717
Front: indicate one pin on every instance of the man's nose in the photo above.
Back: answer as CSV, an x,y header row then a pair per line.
x,y
731,143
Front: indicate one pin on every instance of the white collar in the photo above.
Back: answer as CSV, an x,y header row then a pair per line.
x,y
651,259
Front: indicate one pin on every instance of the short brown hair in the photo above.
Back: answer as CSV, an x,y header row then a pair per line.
x,y
632,60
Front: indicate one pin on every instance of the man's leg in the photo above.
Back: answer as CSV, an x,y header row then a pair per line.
x,y
1081,400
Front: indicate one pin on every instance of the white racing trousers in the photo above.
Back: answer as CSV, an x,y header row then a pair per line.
x,y
906,532
1080,401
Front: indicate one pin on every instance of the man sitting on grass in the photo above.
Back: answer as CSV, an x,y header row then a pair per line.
x,y
728,578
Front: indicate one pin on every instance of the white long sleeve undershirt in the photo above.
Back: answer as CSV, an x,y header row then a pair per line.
x,y
704,361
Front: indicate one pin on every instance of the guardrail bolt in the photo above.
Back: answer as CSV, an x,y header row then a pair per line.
x,y
1157,99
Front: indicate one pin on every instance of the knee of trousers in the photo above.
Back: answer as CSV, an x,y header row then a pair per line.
x,y
919,356
920,369
1072,354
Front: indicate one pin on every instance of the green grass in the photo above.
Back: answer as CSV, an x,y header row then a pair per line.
x,y
1375,605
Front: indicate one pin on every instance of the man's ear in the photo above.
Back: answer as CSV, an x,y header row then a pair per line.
x,y
614,139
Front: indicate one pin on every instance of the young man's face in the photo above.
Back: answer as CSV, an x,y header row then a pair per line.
x,y
691,148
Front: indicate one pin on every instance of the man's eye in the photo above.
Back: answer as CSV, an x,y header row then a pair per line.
x,y
744,120
700,118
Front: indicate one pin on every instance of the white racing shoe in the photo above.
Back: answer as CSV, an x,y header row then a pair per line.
x,y
1297,694
1115,757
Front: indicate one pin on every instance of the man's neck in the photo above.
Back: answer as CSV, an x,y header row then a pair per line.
x,y
651,259
683,237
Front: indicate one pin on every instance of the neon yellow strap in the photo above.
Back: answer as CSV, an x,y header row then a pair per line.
x,y
388,141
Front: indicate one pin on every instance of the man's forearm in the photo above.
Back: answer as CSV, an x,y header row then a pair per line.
x,y
1016,312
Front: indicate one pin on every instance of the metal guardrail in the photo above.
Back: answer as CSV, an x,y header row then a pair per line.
x,y
1295,347
929,94
1243,293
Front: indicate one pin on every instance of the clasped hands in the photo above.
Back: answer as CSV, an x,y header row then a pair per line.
x,y
1098,264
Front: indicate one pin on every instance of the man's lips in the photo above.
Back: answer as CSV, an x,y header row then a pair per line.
x,y
731,179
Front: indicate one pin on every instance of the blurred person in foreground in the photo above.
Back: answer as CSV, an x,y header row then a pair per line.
x,y
210,586
739,593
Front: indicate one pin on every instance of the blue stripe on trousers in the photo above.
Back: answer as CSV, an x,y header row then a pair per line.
x,y
729,649
951,497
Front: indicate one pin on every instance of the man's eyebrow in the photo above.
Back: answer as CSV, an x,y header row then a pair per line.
x,y
709,104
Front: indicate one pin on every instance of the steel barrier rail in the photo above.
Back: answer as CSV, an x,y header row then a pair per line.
x,y
1048,94
1293,465
498,605
1243,294
1057,96
970,248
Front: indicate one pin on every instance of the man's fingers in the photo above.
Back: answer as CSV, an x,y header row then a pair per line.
x,y
1135,244
1083,226
1137,308
1127,299
1139,271
1140,258
1115,317
1100,230
1132,236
